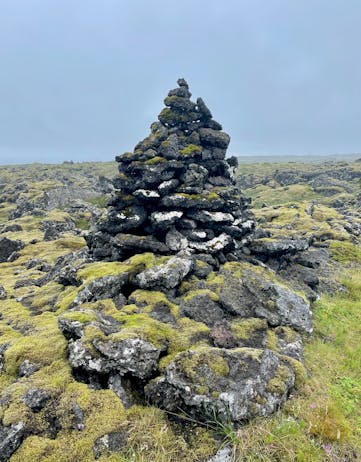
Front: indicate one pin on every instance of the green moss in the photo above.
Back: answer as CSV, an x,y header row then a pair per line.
x,y
219,366
98,201
43,346
91,333
199,197
245,329
215,281
80,315
286,333
278,383
190,150
150,299
156,160
189,284
202,389
345,252
100,269
70,242
82,223
187,334
272,340
213,196
201,292
130,308
46,297
236,268
196,360
133,266
142,326
104,413
201,264
299,370
252,353
172,118
66,298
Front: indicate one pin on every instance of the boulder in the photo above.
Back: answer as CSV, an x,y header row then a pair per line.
x,y
78,417
27,368
166,276
267,248
234,384
257,295
12,228
133,356
3,294
10,439
8,247
36,399
101,288
53,229
201,307
223,455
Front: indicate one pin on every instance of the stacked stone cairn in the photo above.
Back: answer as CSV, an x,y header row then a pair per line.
x,y
176,191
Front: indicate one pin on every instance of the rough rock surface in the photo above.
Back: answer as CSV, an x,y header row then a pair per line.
x,y
26,368
176,188
36,399
238,384
9,247
10,439
223,455
166,276
101,288
108,443
3,348
130,356
2,292
254,295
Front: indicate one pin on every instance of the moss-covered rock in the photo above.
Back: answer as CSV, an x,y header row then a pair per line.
x,y
208,381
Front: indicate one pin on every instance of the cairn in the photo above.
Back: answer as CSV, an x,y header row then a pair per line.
x,y
176,192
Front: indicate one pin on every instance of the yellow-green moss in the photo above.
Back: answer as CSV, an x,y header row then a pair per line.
x,y
201,292
81,315
193,363
272,340
278,383
245,328
201,264
187,334
215,281
345,252
151,298
190,150
103,412
155,160
298,368
43,346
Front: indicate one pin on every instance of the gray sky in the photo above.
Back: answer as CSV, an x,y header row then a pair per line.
x,y
84,79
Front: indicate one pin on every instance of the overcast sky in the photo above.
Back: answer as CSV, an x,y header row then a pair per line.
x,y
84,79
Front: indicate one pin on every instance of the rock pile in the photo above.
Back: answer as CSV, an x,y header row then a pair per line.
x,y
176,190
178,213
